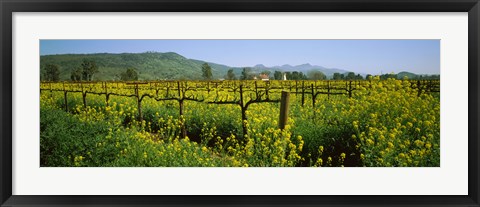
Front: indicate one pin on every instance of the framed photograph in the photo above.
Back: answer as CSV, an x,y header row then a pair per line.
x,y
233,103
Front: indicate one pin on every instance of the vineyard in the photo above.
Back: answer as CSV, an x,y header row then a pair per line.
x,y
237,123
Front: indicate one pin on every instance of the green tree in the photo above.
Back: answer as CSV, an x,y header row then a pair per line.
x,y
316,75
206,71
295,76
266,72
230,75
89,68
387,76
350,76
51,72
129,75
277,75
76,74
246,74
338,76
302,76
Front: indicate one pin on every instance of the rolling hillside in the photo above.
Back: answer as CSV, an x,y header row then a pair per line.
x,y
159,66
150,65
167,66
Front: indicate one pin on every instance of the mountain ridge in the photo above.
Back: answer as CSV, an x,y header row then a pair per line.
x,y
165,66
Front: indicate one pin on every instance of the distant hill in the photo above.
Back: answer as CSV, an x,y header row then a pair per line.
x,y
409,75
160,66
169,66
150,65
413,76
304,68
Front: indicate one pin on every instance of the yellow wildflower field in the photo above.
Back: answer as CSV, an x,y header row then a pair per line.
x,y
371,123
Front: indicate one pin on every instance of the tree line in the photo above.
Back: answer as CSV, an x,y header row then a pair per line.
x,y
88,68
85,72
248,74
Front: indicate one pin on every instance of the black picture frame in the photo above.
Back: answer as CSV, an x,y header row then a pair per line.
x,y
7,8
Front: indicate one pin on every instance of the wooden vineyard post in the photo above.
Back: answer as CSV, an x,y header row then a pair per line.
x,y
303,93
208,87
106,94
313,96
84,97
350,89
267,88
139,103
180,106
180,99
244,112
65,97
284,105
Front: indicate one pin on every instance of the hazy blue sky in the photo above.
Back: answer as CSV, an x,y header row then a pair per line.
x,y
361,56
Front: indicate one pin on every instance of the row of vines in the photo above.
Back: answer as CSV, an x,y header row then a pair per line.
x,y
235,123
